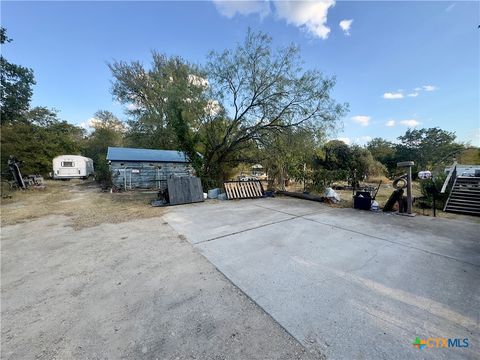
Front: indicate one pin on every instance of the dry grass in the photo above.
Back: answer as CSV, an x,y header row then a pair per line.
x,y
82,201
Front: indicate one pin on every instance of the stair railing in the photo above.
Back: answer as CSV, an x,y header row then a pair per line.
x,y
449,183
450,180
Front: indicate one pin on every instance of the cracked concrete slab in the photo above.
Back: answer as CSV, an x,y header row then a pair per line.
x,y
351,284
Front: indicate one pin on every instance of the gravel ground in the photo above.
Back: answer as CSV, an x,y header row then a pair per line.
x,y
130,290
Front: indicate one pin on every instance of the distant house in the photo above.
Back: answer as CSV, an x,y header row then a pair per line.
x,y
146,168
257,170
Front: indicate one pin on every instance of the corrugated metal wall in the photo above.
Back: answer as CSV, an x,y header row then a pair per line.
x,y
145,175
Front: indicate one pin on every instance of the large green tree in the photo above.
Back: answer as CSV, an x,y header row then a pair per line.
x,y
427,147
264,92
356,162
242,98
108,130
385,152
166,102
290,154
16,84
37,139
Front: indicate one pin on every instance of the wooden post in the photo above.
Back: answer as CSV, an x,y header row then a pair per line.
x,y
409,190
434,205
408,165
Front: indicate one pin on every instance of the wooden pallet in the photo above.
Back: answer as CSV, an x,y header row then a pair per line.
x,y
243,189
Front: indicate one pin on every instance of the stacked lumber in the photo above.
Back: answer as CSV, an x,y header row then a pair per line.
x,y
243,189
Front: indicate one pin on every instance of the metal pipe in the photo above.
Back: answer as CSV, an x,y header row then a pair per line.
x,y
408,165
409,190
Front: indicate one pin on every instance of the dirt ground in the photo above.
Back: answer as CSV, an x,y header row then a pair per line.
x,y
83,201
93,275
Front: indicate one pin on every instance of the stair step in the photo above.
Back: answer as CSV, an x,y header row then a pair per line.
x,y
466,192
462,206
465,201
463,211
465,195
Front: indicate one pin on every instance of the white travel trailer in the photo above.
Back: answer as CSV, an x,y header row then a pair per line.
x,y
72,167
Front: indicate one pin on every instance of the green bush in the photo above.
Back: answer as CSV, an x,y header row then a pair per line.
x,y
437,183
323,178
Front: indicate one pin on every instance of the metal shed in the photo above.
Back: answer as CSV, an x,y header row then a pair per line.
x,y
133,168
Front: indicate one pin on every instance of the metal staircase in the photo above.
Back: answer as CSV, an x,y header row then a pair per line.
x,y
465,196
464,192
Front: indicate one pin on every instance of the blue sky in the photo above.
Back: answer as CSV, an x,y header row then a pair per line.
x,y
398,64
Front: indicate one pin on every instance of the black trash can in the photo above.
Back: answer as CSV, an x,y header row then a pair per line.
x,y
362,200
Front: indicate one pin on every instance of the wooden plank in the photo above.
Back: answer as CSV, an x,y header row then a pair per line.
x,y
243,190
259,188
227,190
255,189
248,189
240,190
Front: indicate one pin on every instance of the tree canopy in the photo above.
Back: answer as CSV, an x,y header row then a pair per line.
x,y
241,100
16,84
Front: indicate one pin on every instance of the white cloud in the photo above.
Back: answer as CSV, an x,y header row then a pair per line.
x,y
230,8
411,123
309,15
346,140
345,25
390,123
414,94
92,123
88,124
362,140
450,7
429,88
392,96
361,119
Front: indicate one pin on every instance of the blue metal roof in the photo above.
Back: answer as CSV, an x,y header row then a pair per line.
x,y
132,154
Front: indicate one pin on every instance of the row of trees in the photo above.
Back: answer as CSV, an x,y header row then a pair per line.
x,y
247,105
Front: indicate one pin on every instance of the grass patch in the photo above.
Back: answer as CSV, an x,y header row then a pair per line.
x,y
82,201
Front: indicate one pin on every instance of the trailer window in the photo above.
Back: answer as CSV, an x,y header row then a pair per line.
x,y
68,164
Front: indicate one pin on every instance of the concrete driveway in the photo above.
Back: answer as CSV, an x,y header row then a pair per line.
x,y
347,283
